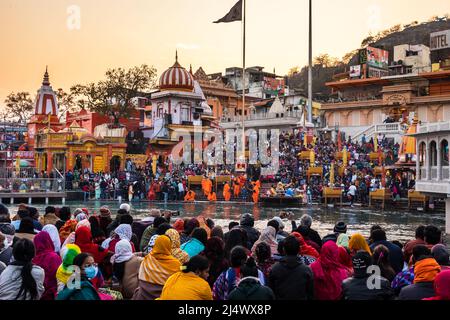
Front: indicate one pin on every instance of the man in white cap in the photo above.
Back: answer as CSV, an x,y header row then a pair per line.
x,y
126,207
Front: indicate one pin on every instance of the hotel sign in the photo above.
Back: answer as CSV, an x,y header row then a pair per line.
x,y
440,40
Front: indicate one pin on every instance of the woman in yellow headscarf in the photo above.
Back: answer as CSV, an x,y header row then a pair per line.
x,y
189,284
156,268
358,242
174,237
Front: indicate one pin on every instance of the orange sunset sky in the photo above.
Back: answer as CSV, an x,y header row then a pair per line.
x,y
125,33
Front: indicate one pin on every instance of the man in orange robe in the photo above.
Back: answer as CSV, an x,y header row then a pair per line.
x,y
256,189
206,186
212,196
190,196
227,192
236,188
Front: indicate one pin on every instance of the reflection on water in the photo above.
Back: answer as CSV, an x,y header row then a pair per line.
x,y
399,225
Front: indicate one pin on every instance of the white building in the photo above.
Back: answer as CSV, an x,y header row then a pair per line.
x,y
432,167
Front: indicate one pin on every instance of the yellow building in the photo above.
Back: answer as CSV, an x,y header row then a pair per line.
x,y
74,148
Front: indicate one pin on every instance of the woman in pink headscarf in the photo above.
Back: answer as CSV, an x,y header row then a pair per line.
x,y
49,260
328,273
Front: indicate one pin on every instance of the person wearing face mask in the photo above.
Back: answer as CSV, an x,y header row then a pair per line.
x,y
190,283
84,290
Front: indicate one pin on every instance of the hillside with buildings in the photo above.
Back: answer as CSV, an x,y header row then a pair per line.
x,y
412,34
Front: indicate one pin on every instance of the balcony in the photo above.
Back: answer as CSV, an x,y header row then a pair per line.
x,y
289,118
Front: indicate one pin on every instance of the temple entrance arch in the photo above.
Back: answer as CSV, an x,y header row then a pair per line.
x,y
114,164
78,163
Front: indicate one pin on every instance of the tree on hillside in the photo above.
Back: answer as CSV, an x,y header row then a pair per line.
x,y
293,70
326,61
380,35
114,96
19,106
66,103
433,18
348,56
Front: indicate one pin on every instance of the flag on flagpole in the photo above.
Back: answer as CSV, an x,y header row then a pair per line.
x,y
235,14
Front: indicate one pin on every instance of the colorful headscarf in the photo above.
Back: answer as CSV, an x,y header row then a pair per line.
x,y
123,252
442,285
159,265
174,237
54,235
345,258
81,216
151,243
83,223
357,242
49,260
328,273
68,253
67,229
179,225
342,240
123,231
83,239
305,249
426,270
268,236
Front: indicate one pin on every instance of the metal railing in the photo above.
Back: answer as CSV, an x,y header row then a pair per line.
x,y
14,173
263,116
31,185
385,128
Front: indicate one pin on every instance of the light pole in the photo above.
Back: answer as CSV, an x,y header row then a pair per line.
x,y
310,65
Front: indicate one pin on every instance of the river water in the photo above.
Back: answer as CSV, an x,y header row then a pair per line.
x,y
399,225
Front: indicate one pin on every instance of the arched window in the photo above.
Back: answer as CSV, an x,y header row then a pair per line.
x,y
422,152
444,153
433,154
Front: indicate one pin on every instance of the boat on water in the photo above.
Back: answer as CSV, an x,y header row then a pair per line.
x,y
281,201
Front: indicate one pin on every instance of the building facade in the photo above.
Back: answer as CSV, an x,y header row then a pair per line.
x,y
432,164
179,105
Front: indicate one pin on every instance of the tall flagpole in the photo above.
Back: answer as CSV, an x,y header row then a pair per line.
x,y
243,78
310,65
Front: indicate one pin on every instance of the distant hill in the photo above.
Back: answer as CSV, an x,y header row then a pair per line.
x,y
410,34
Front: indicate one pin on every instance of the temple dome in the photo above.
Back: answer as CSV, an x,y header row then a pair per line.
x,y
46,101
176,78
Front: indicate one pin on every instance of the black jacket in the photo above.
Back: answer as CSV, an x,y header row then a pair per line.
x,y
290,279
251,289
417,291
246,224
356,288
307,233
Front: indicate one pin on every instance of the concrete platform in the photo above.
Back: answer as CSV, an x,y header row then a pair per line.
x,y
12,196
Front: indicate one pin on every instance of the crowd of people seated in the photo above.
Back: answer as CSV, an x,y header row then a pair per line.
x,y
64,254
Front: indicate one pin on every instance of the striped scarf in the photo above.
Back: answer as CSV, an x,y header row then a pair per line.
x,y
159,265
